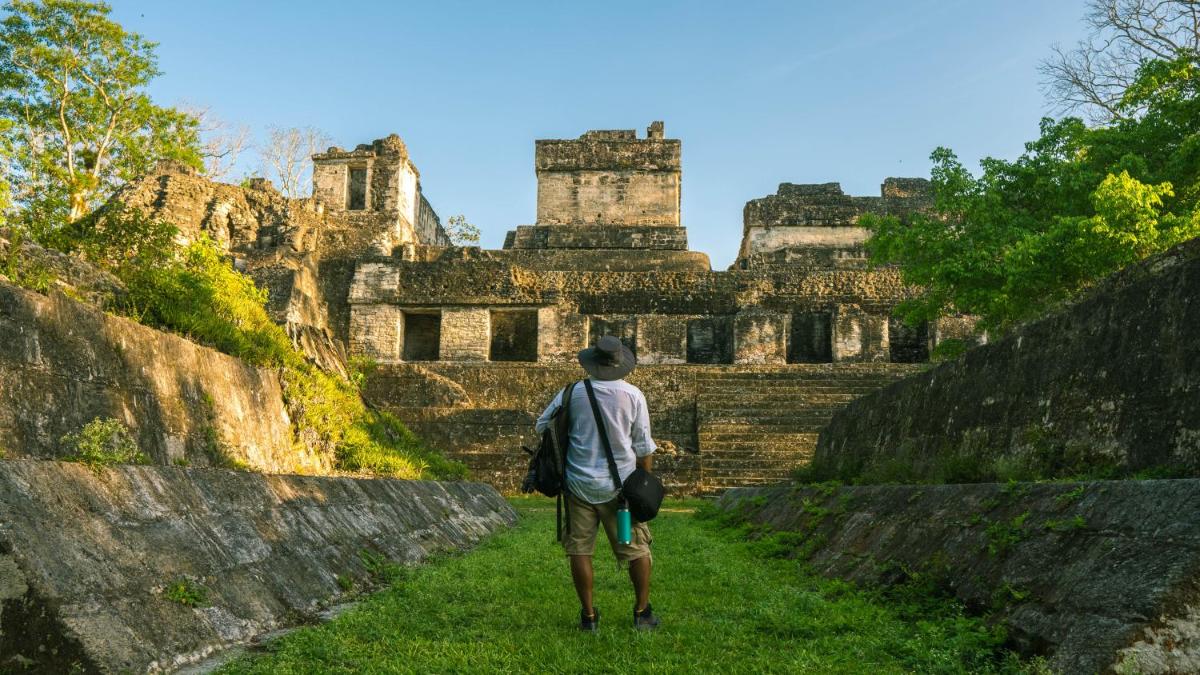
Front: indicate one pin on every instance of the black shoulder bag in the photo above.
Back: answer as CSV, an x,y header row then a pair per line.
x,y
642,492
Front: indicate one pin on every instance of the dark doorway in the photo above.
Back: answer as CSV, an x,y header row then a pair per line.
x,y
514,335
709,340
625,329
811,340
908,344
356,197
422,336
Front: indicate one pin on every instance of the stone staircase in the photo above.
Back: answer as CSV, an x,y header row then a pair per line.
x,y
755,428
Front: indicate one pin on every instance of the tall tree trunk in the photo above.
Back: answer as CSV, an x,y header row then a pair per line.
x,y
79,206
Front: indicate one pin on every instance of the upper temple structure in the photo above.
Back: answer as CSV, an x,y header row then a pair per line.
x,y
471,343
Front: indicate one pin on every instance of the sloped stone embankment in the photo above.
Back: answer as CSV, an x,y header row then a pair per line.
x,y
88,561
1094,576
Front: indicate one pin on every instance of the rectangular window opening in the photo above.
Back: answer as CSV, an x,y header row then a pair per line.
x,y
908,344
623,328
811,339
422,336
709,340
514,335
356,190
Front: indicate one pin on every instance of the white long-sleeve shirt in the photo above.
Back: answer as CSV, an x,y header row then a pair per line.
x,y
628,424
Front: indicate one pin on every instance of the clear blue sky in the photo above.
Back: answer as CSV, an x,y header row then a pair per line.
x,y
759,92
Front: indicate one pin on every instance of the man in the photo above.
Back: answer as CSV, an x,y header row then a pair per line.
x,y
591,495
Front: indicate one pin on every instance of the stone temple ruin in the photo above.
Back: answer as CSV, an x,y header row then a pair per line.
x,y
741,367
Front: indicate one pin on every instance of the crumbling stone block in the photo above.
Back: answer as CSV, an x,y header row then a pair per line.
x,y
662,338
760,337
859,335
377,332
562,332
465,334
609,178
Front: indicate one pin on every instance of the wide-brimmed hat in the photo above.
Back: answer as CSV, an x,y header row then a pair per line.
x,y
610,359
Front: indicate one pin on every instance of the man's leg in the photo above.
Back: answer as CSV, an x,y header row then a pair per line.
x,y
579,543
581,574
639,574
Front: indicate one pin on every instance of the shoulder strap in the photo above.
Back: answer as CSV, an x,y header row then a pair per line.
x,y
600,428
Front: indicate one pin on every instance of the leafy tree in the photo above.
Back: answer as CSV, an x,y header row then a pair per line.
x,y
1079,204
72,86
461,232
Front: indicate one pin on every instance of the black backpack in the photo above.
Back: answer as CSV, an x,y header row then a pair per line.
x,y
547,472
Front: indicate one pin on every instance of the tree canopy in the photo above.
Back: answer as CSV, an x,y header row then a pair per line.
x,y
79,121
1078,204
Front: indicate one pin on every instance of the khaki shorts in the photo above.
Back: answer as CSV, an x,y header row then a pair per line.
x,y
580,538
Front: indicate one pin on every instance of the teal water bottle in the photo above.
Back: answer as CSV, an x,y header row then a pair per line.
x,y
624,525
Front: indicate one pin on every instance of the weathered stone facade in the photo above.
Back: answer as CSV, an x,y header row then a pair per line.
x,y
608,256
609,178
787,226
365,264
378,188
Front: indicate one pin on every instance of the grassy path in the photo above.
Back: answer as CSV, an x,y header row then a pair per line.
x,y
509,606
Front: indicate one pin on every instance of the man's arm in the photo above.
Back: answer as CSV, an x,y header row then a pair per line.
x,y
646,462
543,422
643,444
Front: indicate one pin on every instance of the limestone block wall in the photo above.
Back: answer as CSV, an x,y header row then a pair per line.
x,y
1096,577
482,413
377,332
1111,382
63,364
562,332
86,557
609,178
608,197
465,334
859,335
822,216
662,339
760,338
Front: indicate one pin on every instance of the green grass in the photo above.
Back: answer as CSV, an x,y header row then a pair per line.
x,y
509,606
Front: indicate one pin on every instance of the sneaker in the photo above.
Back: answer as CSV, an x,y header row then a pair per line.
x,y
645,619
589,624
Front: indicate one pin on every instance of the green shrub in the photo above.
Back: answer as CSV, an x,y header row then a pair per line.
x,y
23,271
186,592
195,291
101,443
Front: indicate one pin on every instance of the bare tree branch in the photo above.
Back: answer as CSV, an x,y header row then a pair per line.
x,y
1091,77
221,142
287,157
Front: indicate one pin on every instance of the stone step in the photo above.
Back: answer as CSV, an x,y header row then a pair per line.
x,y
767,425
773,398
780,471
718,484
756,454
754,415
750,469
736,434
779,426
803,376
718,385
